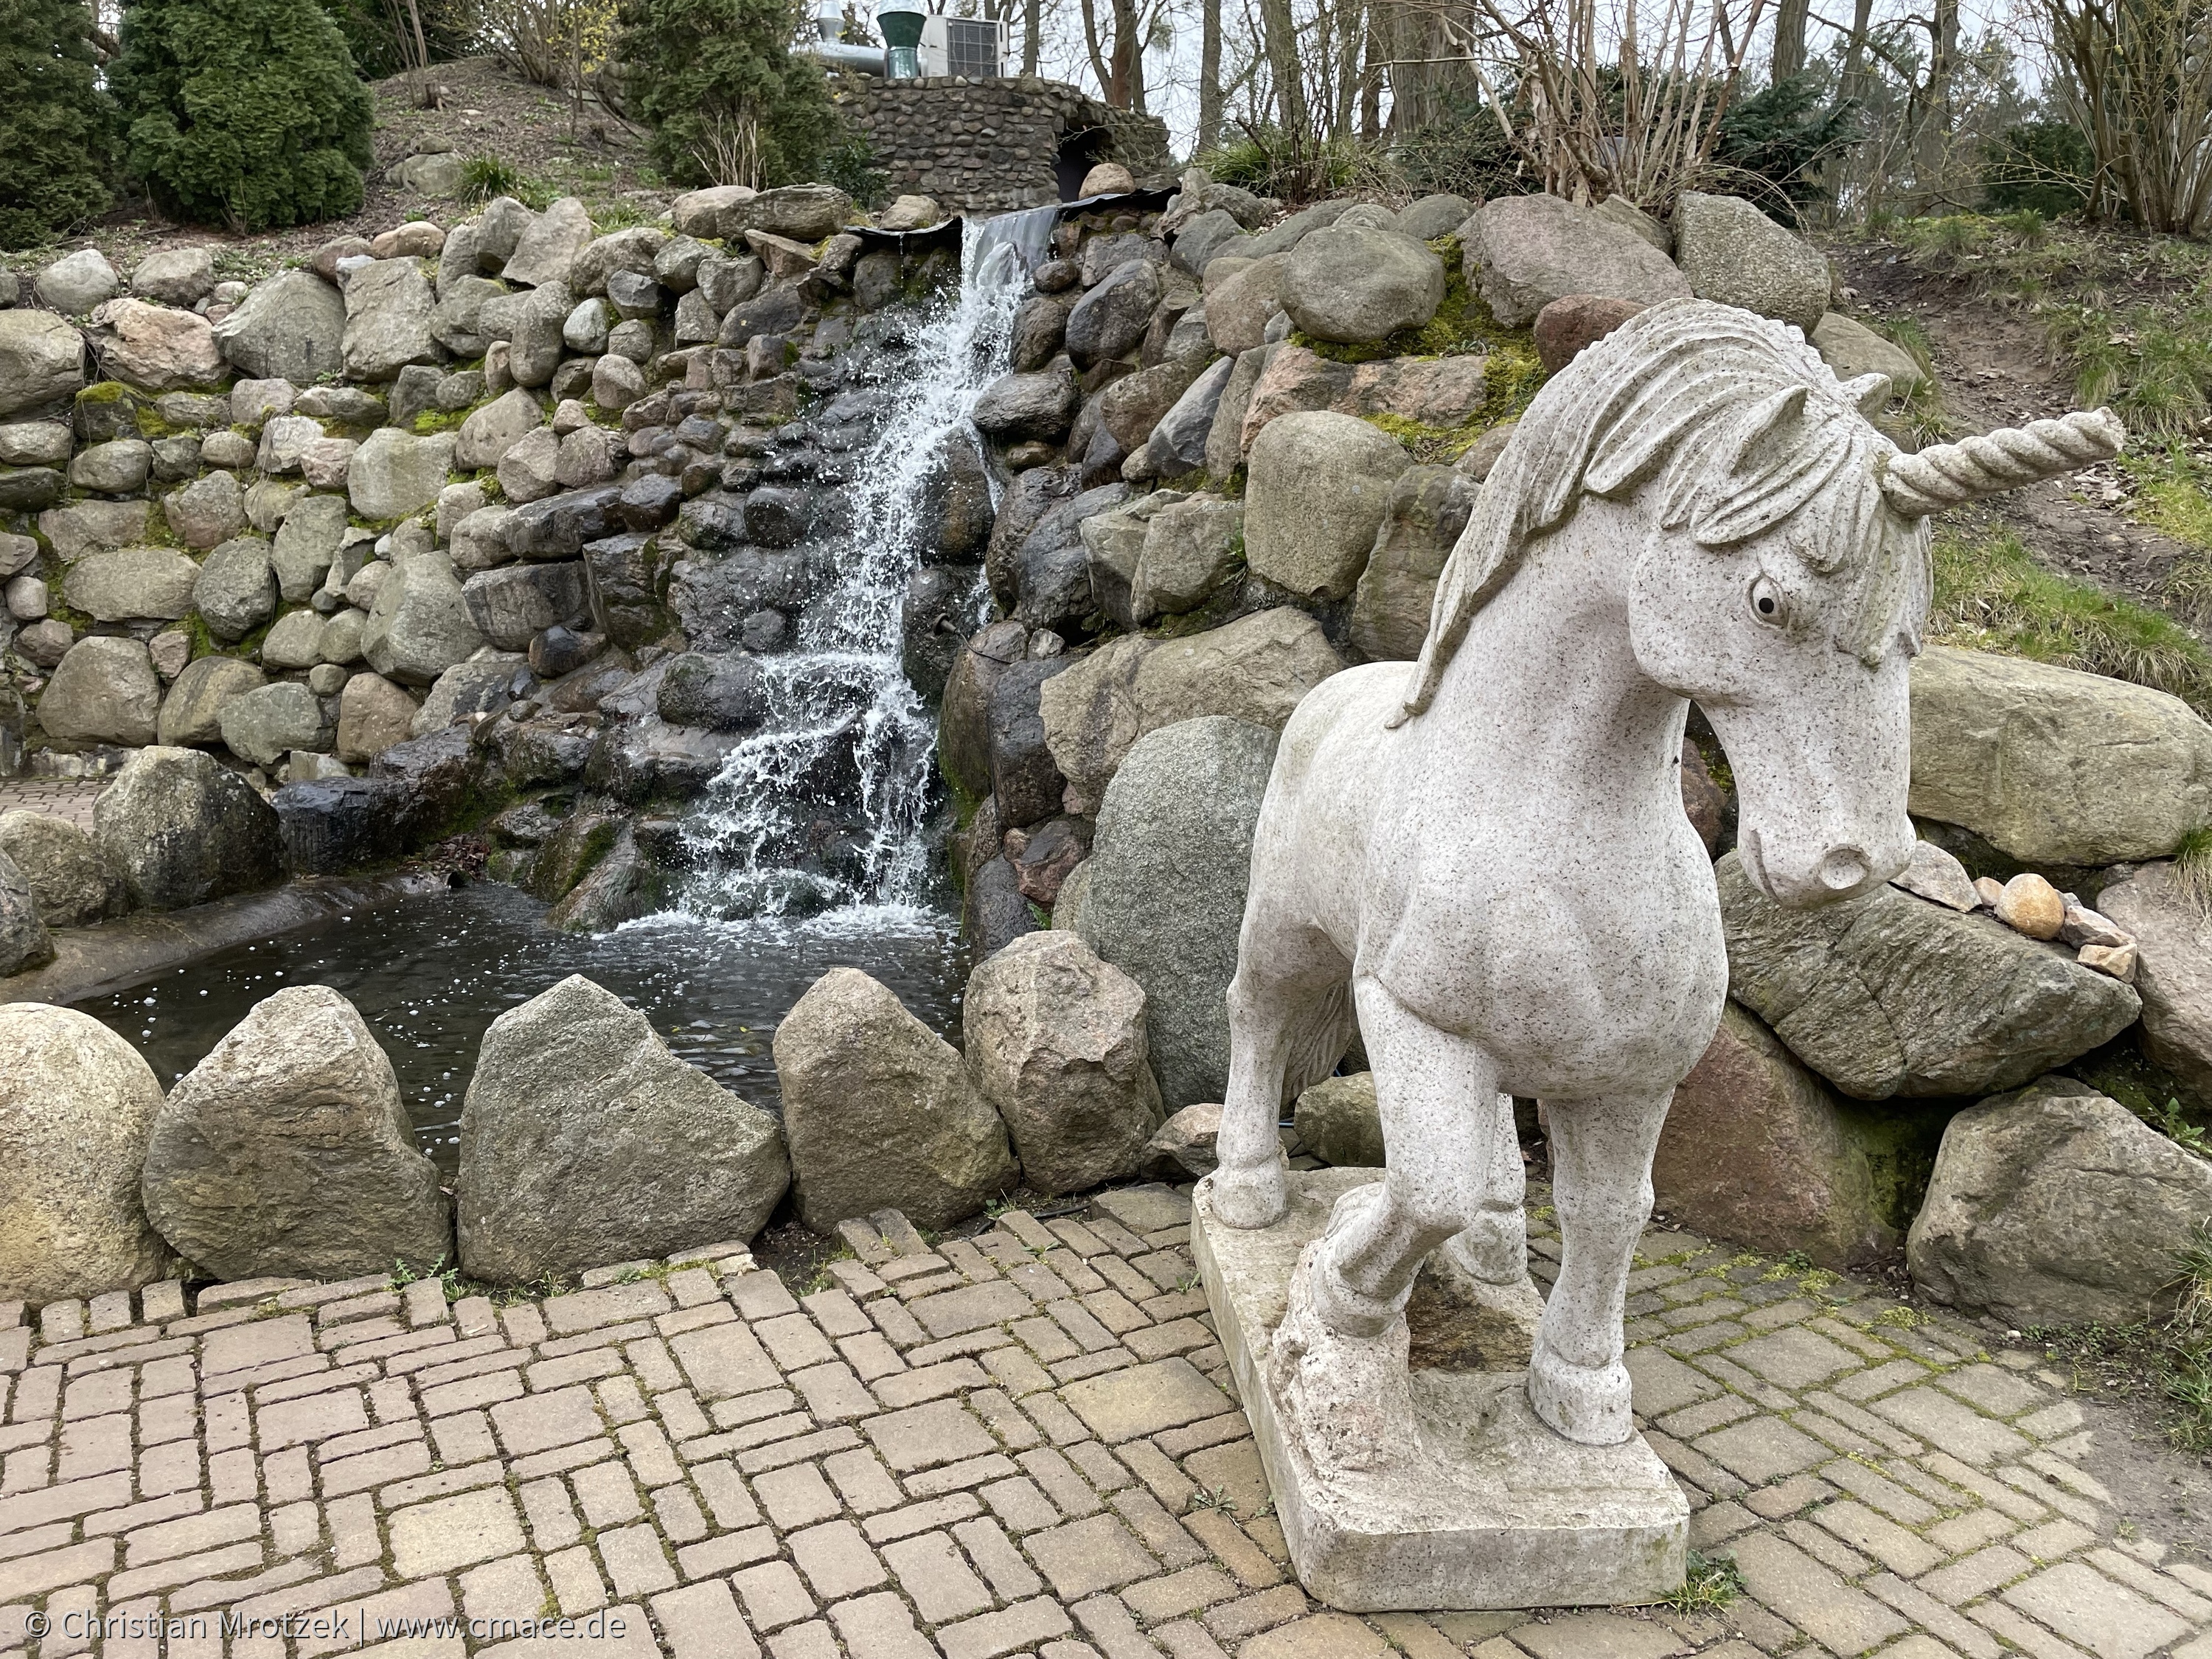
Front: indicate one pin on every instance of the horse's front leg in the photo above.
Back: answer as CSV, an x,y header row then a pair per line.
x,y
1602,1188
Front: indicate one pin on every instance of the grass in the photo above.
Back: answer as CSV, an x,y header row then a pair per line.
x,y
2147,354
1922,408
1712,1583
2192,869
1990,595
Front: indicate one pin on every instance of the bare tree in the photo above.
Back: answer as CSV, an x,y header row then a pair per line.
x,y
1209,74
2136,82
1789,60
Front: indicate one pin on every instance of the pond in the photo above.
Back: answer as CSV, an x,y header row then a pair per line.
x,y
430,972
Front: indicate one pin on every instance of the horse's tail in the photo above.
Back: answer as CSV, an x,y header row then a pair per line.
x,y
1321,1041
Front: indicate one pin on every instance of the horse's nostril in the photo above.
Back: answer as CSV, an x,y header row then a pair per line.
x,y
1844,868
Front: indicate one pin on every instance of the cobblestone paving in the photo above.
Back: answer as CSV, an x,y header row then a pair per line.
x,y
63,797
1017,1443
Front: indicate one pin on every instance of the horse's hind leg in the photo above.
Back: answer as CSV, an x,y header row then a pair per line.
x,y
1601,1186
1282,985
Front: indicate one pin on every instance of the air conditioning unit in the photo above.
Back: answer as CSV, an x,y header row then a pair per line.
x,y
973,46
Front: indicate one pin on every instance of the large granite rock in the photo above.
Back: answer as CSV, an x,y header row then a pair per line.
x,y
1521,252
1192,550
374,714
880,1112
1357,284
76,1103
1759,1150
291,327
1339,1121
207,512
489,432
1428,508
2173,971
388,304
1318,486
2052,765
287,1152
584,1141
395,473
1730,252
1892,994
76,282
2057,1207
1055,1041
546,250
265,725
131,584
1112,318
156,348
236,590
420,625
1165,897
41,360
105,690
24,942
192,712
1254,670
68,877
184,830
1852,350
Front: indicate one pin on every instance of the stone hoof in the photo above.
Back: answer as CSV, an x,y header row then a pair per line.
x,y
1494,1248
1518,1298
1587,1404
1348,1399
1256,1197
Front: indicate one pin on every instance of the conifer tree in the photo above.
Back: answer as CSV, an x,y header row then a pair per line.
x,y
57,127
716,80
246,113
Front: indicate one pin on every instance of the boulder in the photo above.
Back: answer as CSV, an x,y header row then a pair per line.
x,y
1192,549
911,213
176,276
131,584
236,591
184,830
1435,392
156,348
295,643
1434,217
717,693
458,321
1106,179
1056,1043
395,473
41,360
388,303
546,250
1936,876
24,942
1015,407
1131,407
1521,252
76,282
76,1103
374,714
1168,874
1025,780
484,685
1039,328
963,730
1184,1147
1568,326
537,336
696,213
633,250
115,468
1178,444
512,605
207,512
2053,766
803,213
287,1152
291,327
265,725
192,712
1851,349
1111,318
1891,994
2056,1206
1757,1150
880,1112
105,690
68,877
1318,488
1240,300
1428,508
2174,970
1730,251
1254,670
308,542
420,624
584,1141
1356,285
1339,1122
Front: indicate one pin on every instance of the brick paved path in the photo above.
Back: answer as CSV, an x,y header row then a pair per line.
x,y
63,797
1015,1445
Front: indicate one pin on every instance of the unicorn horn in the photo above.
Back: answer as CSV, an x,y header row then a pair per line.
x,y
1949,474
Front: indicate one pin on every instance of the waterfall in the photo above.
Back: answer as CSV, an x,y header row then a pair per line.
x,y
843,719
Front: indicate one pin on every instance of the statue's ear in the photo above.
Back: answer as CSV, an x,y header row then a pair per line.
x,y
1868,392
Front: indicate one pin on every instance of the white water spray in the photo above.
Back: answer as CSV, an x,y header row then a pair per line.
x,y
843,718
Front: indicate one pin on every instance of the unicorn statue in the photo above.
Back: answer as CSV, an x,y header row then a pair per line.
x,y
1482,869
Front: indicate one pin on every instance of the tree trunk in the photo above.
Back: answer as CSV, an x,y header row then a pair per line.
x,y
1282,43
1790,40
1032,34
1209,74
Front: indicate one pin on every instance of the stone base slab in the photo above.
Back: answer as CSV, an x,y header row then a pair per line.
x,y
1502,1512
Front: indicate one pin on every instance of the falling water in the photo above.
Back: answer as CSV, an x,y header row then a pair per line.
x,y
842,718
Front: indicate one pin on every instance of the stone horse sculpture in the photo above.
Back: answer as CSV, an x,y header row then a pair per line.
x,y
1485,863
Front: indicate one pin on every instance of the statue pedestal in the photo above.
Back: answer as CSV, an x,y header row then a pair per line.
x,y
1501,1512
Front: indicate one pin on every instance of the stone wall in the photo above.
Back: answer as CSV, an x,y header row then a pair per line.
x,y
991,146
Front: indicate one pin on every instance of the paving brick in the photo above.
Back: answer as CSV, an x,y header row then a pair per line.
x,y
795,1497
636,1561
454,1532
539,1422
995,1633
724,1361
2083,1605
700,1621
1144,1399
1813,1597
773,1594
1086,1556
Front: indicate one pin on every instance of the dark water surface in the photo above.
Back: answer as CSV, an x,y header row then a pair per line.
x,y
432,971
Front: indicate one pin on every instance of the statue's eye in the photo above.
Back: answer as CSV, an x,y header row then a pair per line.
x,y
1766,602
